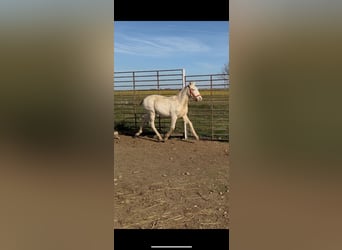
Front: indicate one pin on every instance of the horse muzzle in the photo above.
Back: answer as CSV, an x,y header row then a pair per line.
x,y
198,98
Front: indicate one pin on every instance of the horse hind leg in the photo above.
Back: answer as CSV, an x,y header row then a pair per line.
x,y
152,116
145,118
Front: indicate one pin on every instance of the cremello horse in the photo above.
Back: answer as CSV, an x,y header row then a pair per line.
x,y
174,106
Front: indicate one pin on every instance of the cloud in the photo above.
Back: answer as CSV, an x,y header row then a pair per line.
x,y
159,45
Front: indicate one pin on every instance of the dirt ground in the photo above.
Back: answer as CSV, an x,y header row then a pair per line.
x,y
177,184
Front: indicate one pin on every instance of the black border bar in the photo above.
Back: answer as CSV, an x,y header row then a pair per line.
x,y
194,239
175,10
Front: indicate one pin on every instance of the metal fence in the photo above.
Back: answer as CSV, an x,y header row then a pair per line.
x,y
210,117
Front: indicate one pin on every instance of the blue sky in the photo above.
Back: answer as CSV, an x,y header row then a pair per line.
x,y
198,47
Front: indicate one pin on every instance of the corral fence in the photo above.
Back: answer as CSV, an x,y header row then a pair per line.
x,y
210,117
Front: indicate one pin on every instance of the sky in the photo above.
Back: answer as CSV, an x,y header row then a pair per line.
x,y
198,47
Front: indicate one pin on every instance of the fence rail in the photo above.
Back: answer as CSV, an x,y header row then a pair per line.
x,y
209,117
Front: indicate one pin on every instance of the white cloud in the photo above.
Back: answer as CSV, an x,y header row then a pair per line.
x,y
159,46
209,67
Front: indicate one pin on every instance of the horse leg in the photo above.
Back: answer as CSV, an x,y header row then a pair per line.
x,y
143,122
172,128
187,120
152,116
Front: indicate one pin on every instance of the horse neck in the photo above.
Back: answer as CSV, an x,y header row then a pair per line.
x,y
183,96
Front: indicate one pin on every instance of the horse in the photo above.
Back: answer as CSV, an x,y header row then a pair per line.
x,y
170,106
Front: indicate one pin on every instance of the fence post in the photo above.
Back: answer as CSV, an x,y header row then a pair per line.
x,y
184,84
158,88
134,100
212,107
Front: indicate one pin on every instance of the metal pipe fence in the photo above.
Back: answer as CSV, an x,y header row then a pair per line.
x,y
210,117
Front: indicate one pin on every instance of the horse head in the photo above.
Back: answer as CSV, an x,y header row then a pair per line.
x,y
194,92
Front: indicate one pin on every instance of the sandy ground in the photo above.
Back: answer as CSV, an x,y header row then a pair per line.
x,y
177,184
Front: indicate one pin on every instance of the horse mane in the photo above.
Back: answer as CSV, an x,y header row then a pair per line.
x,y
181,91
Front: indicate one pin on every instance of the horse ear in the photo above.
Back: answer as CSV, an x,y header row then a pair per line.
x,y
192,84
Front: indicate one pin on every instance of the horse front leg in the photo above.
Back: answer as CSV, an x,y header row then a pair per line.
x,y
187,120
172,127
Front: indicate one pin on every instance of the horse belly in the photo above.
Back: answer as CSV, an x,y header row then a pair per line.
x,y
163,110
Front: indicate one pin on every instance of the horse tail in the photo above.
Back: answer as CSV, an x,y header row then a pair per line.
x,y
141,102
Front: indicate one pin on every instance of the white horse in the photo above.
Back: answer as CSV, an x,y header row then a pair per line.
x,y
173,106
